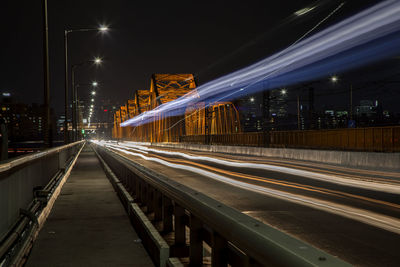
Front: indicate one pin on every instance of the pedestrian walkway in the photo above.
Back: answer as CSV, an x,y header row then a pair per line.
x,y
88,225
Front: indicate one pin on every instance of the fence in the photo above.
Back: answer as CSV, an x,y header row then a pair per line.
x,y
21,181
380,139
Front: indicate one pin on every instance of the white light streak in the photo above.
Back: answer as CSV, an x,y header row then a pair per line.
x,y
312,175
385,222
304,11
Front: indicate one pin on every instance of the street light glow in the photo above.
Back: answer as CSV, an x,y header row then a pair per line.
x,y
252,99
97,60
92,99
283,91
334,79
94,84
93,92
103,28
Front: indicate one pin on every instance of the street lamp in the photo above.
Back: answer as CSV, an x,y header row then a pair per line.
x,y
101,28
75,117
334,79
96,61
93,92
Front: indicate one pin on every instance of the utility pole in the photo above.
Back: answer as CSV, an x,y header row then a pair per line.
x,y
73,105
48,135
351,102
311,107
265,115
266,107
298,112
66,136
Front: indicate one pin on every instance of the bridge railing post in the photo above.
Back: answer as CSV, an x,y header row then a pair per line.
x,y
158,212
218,250
196,242
179,221
167,210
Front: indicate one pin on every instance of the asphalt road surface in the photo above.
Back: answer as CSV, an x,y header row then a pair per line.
x,y
351,213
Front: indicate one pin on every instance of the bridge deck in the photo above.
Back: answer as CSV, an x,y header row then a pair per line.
x,y
88,225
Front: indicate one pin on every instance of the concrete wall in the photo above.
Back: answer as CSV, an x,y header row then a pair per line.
x,y
368,160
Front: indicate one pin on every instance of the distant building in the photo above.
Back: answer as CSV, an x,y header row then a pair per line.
x,y
249,108
24,122
332,119
366,108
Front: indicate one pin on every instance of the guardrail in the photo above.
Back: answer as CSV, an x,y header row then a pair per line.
x,y
380,139
26,183
233,237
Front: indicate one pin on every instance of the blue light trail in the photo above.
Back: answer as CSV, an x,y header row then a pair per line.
x,y
368,36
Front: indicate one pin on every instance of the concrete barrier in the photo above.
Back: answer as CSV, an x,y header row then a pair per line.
x,y
367,160
154,243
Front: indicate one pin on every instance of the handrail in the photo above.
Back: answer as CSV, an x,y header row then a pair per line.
x,y
257,240
26,158
43,171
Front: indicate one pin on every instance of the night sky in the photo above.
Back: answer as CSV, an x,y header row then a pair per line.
x,y
207,38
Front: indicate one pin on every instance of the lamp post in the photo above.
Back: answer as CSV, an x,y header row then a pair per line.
x,y
76,110
335,79
102,28
48,133
96,61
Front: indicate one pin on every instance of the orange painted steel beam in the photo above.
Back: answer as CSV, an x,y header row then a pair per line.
x,y
165,128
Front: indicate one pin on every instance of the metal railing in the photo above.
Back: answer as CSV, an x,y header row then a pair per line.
x,y
25,184
233,237
380,139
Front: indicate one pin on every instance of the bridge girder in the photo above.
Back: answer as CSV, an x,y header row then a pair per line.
x,y
167,127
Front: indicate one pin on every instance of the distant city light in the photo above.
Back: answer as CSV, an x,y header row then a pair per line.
x,y
92,99
283,91
251,99
93,92
334,79
6,94
94,83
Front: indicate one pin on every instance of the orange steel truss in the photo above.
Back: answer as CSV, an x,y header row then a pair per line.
x,y
220,118
165,88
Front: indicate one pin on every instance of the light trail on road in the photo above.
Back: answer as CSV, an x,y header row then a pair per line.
x,y
322,201
333,177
